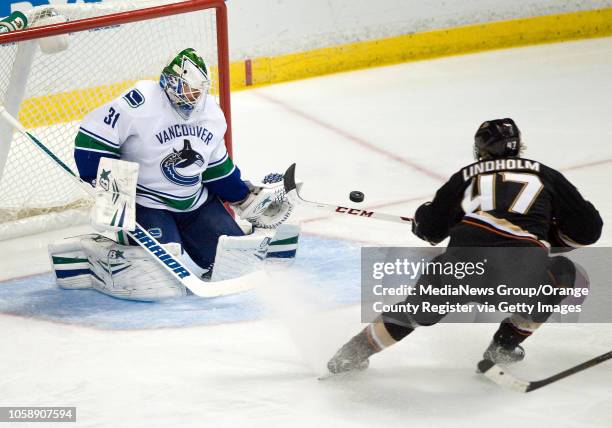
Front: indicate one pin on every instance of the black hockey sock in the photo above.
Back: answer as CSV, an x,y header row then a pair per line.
x,y
396,331
382,334
509,336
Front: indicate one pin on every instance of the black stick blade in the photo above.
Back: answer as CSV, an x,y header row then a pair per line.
x,y
485,365
289,179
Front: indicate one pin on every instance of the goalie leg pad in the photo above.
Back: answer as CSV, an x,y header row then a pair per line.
x,y
284,243
238,255
70,264
128,272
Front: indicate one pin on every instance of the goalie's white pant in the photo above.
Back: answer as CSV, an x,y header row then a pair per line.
x,y
125,272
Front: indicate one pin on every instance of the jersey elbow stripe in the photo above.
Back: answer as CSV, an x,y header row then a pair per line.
x,y
98,137
218,162
102,152
87,142
219,171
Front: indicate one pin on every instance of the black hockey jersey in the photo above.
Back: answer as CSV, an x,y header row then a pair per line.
x,y
512,197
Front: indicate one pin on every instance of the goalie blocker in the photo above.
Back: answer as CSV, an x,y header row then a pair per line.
x,y
115,204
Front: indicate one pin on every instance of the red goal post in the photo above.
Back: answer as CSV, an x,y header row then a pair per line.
x,y
28,205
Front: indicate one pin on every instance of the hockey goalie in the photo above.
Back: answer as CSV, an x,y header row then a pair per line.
x,y
156,156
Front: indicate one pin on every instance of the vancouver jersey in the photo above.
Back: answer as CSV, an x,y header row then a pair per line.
x,y
513,197
177,157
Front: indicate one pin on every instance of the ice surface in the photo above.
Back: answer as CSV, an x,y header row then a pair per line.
x,y
394,133
328,265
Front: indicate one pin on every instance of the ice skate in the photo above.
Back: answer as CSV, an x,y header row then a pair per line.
x,y
353,356
500,355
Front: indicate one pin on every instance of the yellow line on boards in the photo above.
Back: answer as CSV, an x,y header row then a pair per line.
x,y
425,45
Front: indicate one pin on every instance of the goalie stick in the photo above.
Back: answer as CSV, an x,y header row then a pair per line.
x,y
501,377
149,243
292,192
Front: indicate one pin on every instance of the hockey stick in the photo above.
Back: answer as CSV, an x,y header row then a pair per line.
x,y
293,193
149,243
501,377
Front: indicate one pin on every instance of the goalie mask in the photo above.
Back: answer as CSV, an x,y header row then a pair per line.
x,y
186,82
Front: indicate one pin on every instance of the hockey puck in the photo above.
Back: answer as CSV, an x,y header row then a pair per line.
x,y
356,196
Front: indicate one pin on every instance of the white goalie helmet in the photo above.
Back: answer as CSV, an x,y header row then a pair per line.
x,y
186,82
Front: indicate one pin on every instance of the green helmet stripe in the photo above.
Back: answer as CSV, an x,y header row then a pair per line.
x,y
177,61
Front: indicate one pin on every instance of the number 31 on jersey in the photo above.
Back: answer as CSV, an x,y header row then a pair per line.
x,y
112,117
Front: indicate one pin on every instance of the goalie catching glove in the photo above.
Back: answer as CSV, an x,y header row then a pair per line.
x,y
267,205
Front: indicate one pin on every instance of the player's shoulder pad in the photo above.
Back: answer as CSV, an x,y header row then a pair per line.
x,y
556,179
463,174
213,113
541,168
141,97
134,98
456,181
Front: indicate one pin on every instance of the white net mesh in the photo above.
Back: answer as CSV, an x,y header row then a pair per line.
x,y
50,94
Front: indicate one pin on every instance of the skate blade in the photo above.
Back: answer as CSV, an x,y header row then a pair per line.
x,y
343,375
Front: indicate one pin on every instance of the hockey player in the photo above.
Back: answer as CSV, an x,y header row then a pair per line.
x,y
175,133
502,200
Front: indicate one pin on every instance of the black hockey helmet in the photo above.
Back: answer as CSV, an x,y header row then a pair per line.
x,y
497,138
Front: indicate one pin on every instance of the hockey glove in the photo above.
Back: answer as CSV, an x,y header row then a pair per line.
x,y
418,217
267,205
560,242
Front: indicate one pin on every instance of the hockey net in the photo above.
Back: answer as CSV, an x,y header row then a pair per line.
x,y
110,46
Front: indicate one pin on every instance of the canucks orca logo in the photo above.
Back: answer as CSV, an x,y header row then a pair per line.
x,y
176,166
